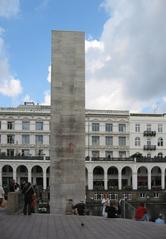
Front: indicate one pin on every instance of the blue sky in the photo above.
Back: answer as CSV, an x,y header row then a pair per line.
x,y
125,51
27,37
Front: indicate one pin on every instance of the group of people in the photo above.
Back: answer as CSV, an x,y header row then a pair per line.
x,y
29,195
110,208
141,214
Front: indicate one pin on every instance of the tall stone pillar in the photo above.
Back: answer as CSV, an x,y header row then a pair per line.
x,y
67,146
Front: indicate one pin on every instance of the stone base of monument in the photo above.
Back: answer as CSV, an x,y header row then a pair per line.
x,y
15,202
69,207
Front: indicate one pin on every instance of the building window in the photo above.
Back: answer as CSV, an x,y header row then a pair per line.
x,y
122,154
40,152
137,141
95,126
0,139
10,139
149,155
122,141
25,125
95,154
39,125
25,152
39,139
148,127
25,139
137,128
156,195
149,142
10,152
10,125
108,140
122,128
98,196
142,195
108,154
160,142
0,124
160,155
95,140
113,196
108,127
160,128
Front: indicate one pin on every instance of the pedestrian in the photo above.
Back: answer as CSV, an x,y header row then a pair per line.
x,y
13,186
28,192
160,219
112,210
105,203
33,204
141,213
79,208
2,193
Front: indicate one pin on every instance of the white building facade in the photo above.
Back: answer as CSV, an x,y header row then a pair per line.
x,y
123,151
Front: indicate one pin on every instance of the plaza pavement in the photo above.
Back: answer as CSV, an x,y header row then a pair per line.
x,y
48,226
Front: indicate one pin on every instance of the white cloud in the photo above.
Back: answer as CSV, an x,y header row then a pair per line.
x,y
128,71
9,85
49,74
27,98
47,98
9,8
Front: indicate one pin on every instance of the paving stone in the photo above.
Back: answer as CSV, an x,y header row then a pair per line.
x,y
49,226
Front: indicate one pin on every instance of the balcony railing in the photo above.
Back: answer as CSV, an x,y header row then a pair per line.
x,y
2,157
149,147
107,159
149,133
149,160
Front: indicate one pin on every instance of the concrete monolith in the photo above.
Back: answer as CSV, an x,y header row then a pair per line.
x,y
67,140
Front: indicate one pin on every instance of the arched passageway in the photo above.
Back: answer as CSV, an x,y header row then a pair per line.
x,y
98,178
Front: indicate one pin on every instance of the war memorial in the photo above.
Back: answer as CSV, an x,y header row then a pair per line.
x,y
67,151
67,120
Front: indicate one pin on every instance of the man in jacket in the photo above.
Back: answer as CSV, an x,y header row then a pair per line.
x,y
28,191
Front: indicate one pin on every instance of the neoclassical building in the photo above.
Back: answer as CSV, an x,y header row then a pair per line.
x,y
125,152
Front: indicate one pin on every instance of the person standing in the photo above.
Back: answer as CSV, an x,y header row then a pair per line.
x,y
112,211
13,186
1,195
28,192
105,203
141,213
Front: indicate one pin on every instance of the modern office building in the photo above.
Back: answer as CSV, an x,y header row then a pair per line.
x,y
125,152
